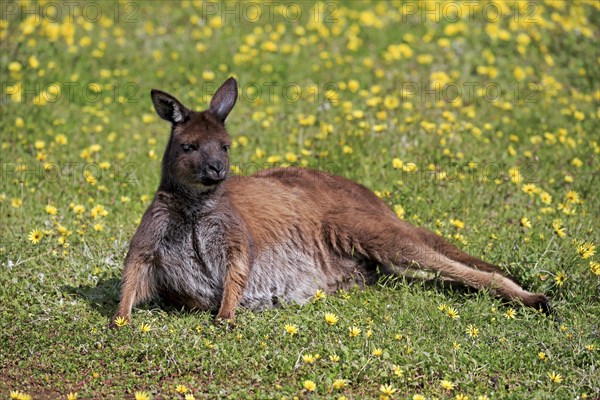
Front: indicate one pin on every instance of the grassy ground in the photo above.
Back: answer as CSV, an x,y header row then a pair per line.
x,y
477,121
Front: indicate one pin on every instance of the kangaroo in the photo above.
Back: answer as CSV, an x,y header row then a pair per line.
x,y
211,243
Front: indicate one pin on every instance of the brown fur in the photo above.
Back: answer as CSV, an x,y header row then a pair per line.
x,y
214,244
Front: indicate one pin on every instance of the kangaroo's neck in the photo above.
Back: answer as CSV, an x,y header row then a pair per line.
x,y
191,200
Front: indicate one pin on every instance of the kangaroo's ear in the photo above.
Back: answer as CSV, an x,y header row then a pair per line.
x,y
224,99
168,107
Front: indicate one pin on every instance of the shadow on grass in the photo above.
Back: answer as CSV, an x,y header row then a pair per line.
x,y
427,282
104,297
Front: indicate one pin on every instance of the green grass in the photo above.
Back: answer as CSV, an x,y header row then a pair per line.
x,y
56,296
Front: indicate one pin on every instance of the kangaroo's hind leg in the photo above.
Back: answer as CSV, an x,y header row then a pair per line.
x,y
441,245
396,244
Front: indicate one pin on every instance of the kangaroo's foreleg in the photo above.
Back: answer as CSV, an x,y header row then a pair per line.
x,y
236,279
137,285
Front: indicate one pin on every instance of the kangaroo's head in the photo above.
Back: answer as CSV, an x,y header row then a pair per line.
x,y
196,156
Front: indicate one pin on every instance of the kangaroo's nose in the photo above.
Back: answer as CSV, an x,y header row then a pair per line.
x,y
216,170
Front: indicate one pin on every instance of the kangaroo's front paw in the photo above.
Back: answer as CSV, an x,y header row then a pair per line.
x,y
228,320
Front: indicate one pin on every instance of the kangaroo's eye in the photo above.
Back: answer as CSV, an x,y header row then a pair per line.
x,y
188,147
226,147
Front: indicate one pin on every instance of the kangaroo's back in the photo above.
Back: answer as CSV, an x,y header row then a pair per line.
x,y
330,193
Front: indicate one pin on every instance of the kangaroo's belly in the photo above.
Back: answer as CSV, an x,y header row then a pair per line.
x,y
289,274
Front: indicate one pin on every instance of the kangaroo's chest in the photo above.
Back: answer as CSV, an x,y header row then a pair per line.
x,y
191,264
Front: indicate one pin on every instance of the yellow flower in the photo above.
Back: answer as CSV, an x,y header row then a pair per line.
x,y
391,102
320,295
353,85
387,390
332,96
142,396
339,384
181,389
99,227
189,396
439,79
306,120
377,352
418,397
397,163
144,328
273,159
399,210
50,209
19,395
472,330
572,197
98,211
309,358
510,314
519,73
525,222
291,157
461,396
515,174
291,329
269,46
91,179
398,371
586,250
35,236
347,149
309,385
354,331
452,313
334,358
16,203
560,278
554,377
558,228
457,223
530,189
72,396
121,321
595,267
424,58
542,356
331,318
14,66
447,385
